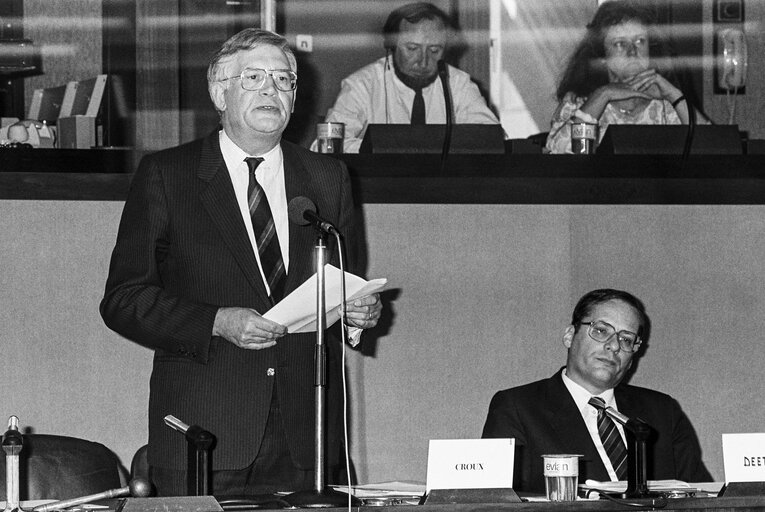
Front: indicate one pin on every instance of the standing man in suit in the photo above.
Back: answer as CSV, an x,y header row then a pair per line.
x,y
204,249
403,86
554,415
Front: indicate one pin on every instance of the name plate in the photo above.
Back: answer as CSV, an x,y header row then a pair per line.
x,y
470,464
744,457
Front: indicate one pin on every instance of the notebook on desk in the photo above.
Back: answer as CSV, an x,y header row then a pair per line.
x,y
646,139
429,138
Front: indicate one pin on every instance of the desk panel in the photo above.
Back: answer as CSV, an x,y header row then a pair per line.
x,y
421,179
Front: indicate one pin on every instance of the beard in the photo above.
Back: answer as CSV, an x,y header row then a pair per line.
x,y
414,82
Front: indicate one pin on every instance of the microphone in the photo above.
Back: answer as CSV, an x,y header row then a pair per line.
x,y
176,424
302,211
600,404
138,488
443,74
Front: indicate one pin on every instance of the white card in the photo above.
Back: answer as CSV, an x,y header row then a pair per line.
x,y
470,464
744,457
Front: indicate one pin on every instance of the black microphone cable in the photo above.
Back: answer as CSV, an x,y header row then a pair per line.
x,y
655,503
443,74
345,339
689,135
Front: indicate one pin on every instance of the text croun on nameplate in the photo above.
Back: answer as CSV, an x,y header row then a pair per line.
x,y
297,311
470,464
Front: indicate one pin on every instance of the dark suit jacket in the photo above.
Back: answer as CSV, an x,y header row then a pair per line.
x,y
543,418
181,253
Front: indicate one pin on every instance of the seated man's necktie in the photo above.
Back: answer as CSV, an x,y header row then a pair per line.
x,y
418,107
265,234
612,440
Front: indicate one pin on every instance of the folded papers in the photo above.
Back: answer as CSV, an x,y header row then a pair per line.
x,y
297,311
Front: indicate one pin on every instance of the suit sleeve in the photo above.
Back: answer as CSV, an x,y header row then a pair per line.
x,y
503,420
687,452
136,304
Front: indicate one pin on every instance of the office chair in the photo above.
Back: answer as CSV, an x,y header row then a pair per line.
x,y
61,467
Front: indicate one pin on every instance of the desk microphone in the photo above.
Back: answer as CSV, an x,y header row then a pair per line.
x,y
138,488
302,211
443,74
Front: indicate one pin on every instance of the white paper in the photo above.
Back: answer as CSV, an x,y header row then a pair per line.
x,y
297,311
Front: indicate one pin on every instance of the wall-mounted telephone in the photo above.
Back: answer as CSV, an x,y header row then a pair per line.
x,y
732,59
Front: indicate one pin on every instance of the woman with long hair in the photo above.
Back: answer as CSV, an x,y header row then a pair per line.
x,y
616,76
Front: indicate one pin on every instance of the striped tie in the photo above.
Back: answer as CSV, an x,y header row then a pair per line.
x,y
265,233
612,440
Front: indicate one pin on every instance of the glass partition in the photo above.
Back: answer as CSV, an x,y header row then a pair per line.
x,y
155,55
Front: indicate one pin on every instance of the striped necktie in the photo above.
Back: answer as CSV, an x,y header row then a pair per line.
x,y
265,233
612,440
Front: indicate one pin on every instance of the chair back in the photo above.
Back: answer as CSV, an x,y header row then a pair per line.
x,y
62,467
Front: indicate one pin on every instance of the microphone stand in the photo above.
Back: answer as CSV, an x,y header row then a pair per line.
x,y
444,76
200,443
320,496
637,460
637,432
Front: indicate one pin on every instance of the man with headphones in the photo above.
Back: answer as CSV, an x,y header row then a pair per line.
x,y
403,86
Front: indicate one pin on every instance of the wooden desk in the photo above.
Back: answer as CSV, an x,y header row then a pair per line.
x,y
744,504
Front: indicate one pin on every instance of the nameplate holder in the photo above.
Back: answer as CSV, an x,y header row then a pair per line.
x,y
174,504
470,471
454,496
744,464
468,139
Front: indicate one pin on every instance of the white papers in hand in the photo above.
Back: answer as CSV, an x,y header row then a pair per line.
x,y
297,311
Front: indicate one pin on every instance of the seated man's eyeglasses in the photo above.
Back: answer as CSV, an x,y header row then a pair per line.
x,y
253,79
602,332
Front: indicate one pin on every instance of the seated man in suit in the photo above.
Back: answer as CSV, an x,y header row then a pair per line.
x,y
403,86
554,415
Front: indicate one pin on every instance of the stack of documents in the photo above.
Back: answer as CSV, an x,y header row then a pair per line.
x,y
387,493
667,486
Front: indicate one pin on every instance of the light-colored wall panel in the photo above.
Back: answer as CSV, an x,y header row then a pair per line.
x,y
481,296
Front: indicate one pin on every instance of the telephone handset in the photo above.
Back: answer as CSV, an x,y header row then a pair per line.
x,y
732,59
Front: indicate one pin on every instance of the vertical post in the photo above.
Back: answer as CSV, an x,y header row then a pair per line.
x,y
268,15
637,459
321,362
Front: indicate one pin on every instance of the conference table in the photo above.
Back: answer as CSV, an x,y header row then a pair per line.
x,y
721,504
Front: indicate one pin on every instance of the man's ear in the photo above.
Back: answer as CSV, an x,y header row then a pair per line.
x,y
568,336
217,94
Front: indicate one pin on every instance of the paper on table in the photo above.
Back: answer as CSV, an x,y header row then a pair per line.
x,y
621,486
386,489
297,311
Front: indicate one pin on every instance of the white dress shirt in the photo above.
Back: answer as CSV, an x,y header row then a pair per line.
x,y
375,95
270,176
590,415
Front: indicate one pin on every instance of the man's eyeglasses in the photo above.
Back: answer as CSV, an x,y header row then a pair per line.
x,y
602,332
253,79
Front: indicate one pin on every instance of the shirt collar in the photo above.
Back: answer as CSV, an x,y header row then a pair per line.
x,y
234,156
581,396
